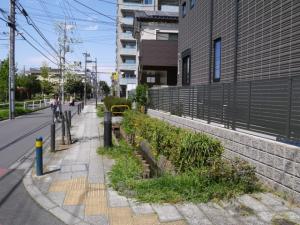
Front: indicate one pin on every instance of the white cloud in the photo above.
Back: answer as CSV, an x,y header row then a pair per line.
x,y
92,28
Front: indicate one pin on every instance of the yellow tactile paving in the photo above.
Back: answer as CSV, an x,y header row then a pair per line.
x,y
93,196
96,202
59,186
96,186
179,222
150,219
78,184
75,197
120,216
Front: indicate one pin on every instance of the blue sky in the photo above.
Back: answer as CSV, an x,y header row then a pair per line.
x,y
95,33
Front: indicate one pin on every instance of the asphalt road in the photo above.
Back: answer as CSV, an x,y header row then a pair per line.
x,y
17,138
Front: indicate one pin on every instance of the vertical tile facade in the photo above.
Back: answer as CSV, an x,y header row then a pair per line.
x,y
268,43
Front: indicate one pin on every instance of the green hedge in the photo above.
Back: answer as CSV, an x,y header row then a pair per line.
x,y
184,148
109,101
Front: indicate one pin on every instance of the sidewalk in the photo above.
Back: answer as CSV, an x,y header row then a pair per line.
x,y
74,189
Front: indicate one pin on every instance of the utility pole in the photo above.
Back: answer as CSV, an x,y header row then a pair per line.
x,y
64,63
96,83
85,75
12,27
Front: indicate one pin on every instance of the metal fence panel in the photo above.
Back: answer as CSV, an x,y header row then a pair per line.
x,y
265,106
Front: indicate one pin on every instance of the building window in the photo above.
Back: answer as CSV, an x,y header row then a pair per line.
x,y
147,2
186,67
217,60
166,36
192,3
183,9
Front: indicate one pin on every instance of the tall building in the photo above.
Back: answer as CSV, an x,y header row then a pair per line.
x,y
126,51
223,41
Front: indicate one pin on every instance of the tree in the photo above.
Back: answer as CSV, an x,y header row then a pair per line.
x,y
30,84
104,87
4,71
74,84
46,85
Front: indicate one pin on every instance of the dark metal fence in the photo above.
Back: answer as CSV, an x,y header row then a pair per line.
x,y
265,106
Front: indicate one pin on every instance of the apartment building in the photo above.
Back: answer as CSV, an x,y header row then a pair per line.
x,y
223,41
126,50
156,33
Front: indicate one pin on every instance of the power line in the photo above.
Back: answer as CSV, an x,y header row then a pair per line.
x,y
100,13
32,23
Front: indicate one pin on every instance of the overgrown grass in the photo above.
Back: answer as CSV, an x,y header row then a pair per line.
x,y
4,113
100,110
220,181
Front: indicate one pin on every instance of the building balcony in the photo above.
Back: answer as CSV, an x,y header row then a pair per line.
x,y
136,6
126,20
125,81
127,66
127,51
126,36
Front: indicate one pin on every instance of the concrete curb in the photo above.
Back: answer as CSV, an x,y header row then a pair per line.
x,y
47,204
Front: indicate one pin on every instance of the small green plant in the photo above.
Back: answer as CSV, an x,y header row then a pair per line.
x,y
185,149
100,110
195,185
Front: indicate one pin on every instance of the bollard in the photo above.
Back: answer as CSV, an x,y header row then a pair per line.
x,y
68,134
52,146
107,129
39,156
70,118
78,109
63,129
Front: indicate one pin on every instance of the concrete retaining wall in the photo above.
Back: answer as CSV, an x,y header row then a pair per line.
x,y
276,164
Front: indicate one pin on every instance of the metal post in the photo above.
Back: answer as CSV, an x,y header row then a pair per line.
x,y
78,109
33,105
70,118
39,156
107,129
63,130
52,147
96,84
69,141
12,24
24,105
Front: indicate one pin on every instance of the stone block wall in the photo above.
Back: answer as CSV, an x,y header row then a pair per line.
x,y
277,164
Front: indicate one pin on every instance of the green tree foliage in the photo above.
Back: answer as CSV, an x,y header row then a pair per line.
x,y
46,85
141,97
29,84
74,84
104,87
4,80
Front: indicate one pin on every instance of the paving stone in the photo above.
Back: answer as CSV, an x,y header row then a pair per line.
x,y
57,197
97,220
76,210
116,200
166,212
79,167
150,219
66,168
63,176
141,208
217,215
120,216
265,216
252,203
193,214
252,220
292,216
65,216
274,203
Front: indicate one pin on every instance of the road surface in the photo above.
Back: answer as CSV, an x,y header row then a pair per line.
x,y
17,139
